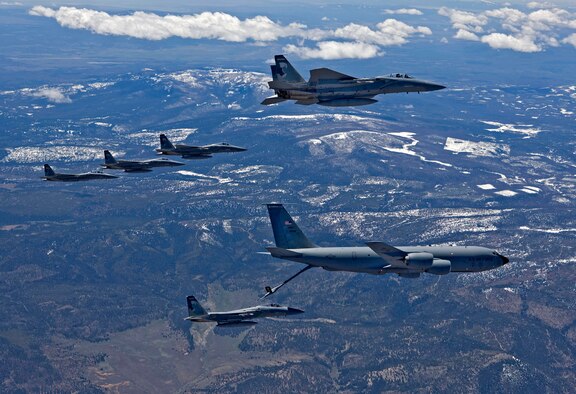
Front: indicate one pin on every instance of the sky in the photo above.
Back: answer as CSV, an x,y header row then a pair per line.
x,y
529,27
51,41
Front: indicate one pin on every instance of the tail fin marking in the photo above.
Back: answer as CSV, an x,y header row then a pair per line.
x,y
165,143
194,307
108,158
287,234
48,171
284,71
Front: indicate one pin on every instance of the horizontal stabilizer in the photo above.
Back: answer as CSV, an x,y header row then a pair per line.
x,y
325,73
308,101
389,253
272,100
281,252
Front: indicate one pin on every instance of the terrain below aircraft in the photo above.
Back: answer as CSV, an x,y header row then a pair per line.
x,y
50,175
334,89
236,317
195,152
136,165
377,257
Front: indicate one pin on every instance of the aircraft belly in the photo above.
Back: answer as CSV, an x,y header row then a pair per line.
x,y
370,265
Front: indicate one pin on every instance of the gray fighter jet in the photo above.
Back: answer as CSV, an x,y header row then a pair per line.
x,y
50,175
377,257
237,317
333,89
136,165
195,152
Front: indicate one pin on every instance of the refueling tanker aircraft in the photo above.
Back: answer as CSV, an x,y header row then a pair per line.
x,y
195,152
334,89
237,317
376,258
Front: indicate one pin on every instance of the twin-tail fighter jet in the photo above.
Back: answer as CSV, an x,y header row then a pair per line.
x,y
136,165
237,317
195,152
377,257
50,175
334,89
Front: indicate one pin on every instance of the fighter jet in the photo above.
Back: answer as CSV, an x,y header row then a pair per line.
x,y
334,89
195,152
237,317
376,258
50,175
136,165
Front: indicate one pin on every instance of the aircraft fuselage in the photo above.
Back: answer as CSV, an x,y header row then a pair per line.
x,y
359,91
364,259
240,316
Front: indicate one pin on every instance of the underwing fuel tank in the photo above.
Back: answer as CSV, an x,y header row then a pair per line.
x,y
347,102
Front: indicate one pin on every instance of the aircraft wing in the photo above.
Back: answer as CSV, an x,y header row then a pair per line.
x,y
389,253
272,100
326,73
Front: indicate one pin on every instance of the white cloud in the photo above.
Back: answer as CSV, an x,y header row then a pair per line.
x,y
209,25
464,20
390,32
335,50
53,95
510,28
505,41
466,35
362,41
404,11
538,4
571,39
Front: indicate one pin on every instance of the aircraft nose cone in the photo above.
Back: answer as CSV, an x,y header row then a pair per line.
x,y
434,86
294,311
505,260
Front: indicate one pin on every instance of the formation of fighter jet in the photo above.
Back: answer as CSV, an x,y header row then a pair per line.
x,y
136,165
237,317
195,152
334,89
377,257
50,175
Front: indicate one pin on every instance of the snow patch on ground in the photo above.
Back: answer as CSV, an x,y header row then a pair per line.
x,y
407,151
46,154
548,230
486,186
506,193
527,129
476,148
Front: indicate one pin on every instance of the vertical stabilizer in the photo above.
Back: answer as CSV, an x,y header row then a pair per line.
x,y
194,307
108,158
165,143
283,71
48,171
287,234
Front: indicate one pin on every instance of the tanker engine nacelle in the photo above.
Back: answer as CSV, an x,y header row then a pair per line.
x,y
440,267
420,260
